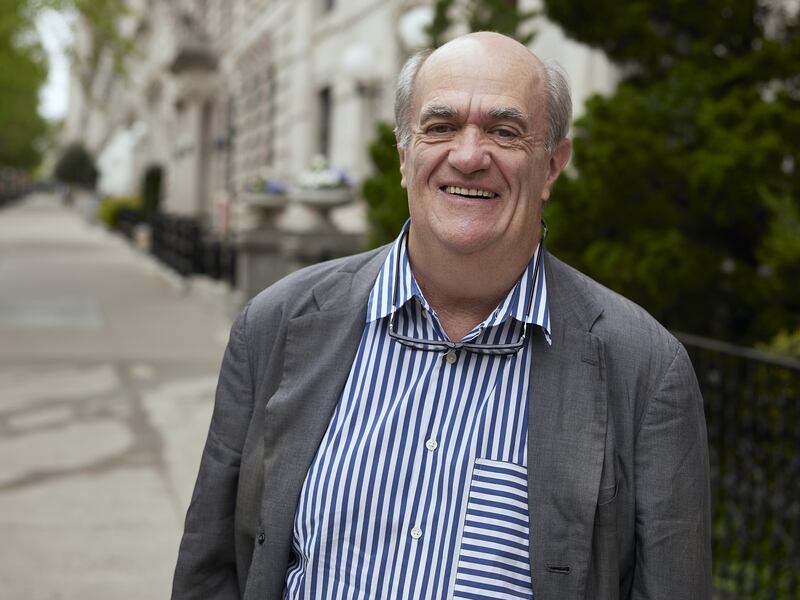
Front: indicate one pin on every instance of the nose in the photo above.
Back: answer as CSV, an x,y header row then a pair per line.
x,y
468,153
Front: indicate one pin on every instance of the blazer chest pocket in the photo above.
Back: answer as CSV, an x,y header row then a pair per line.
x,y
494,556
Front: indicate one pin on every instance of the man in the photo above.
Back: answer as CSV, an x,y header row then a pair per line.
x,y
460,415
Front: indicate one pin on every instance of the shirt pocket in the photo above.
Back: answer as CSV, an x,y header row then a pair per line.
x,y
494,557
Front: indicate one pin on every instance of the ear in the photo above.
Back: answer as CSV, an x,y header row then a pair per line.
x,y
402,153
558,160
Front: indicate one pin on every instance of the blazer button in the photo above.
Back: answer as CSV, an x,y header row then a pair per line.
x,y
261,538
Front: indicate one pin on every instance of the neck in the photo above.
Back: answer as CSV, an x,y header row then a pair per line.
x,y
464,289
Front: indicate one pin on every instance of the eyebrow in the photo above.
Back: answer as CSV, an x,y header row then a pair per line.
x,y
507,113
499,113
437,111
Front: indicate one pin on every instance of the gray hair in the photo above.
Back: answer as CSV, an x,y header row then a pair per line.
x,y
556,91
559,104
403,97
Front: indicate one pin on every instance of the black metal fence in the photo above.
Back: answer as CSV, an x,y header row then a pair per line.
x,y
752,403
14,183
183,245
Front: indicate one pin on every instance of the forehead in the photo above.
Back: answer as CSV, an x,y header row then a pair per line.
x,y
472,78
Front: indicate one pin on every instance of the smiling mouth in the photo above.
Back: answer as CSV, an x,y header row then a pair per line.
x,y
468,192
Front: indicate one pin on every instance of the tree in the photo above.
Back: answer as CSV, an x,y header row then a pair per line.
x,y
684,192
76,167
22,72
108,42
103,18
23,69
502,16
387,205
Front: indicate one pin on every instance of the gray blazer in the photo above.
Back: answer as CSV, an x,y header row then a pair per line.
x,y
617,455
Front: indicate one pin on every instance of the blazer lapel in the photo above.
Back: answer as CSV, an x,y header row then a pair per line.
x,y
567,421
319,352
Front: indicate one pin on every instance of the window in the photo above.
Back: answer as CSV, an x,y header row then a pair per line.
x,y
256,116
270,130
324,103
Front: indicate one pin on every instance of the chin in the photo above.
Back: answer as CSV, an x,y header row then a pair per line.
x,y
467,240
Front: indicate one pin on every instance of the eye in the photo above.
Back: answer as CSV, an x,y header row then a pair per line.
x,y
505,133
440,128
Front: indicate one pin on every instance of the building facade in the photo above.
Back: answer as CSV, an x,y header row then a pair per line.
x,y
224,94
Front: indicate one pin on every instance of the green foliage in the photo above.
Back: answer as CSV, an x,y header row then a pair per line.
x,y
76,167
151,188
103,17
109,207
22,72
751,412
103,20
785,342
23,69
651,36
684,192
441,22
502,16
387,204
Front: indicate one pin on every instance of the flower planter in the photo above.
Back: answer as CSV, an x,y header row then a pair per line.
x,y
263,200
322,198
322,201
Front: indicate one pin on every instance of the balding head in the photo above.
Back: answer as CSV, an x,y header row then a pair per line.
x,y
547,81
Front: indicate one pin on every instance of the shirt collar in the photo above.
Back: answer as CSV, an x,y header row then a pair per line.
x,y
513,305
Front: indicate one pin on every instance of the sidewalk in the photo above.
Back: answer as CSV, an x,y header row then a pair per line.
x,y
107,374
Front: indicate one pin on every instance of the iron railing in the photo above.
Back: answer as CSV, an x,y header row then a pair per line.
x,y
752,403
13,184
183,245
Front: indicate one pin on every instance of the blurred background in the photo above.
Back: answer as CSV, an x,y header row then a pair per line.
x,y
163,161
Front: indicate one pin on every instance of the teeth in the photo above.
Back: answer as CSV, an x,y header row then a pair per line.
x,y
451,189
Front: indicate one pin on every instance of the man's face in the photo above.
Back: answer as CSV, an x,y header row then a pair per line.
x,y
476,170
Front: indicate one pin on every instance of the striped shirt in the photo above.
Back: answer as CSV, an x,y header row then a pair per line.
x,y
419,487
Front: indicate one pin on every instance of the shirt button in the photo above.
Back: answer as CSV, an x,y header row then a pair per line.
x,y
451,356
416,533
261,538
431,444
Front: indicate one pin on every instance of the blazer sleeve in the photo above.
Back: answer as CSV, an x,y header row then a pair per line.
x,y
206,566
673,538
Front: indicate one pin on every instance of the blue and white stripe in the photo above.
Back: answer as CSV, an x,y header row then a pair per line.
x,y
393,503
493,561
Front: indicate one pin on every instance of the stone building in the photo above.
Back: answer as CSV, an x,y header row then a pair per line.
x,y
225,94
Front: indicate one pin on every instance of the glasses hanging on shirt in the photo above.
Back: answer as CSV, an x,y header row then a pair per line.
x,y
447,345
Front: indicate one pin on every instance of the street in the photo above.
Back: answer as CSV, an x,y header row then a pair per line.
x,y
107,373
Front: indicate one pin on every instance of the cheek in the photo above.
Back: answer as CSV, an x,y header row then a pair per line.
x,y
423,165
532,179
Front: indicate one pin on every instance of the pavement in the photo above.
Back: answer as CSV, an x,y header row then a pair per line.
x,y
108,365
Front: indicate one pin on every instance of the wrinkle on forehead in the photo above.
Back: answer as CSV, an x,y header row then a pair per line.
x,y
471,64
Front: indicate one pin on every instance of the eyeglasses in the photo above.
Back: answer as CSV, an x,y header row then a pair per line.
x,y
446,345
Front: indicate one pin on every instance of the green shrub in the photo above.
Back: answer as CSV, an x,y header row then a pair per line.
x,y
76,166
387,204
109,207
785,342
